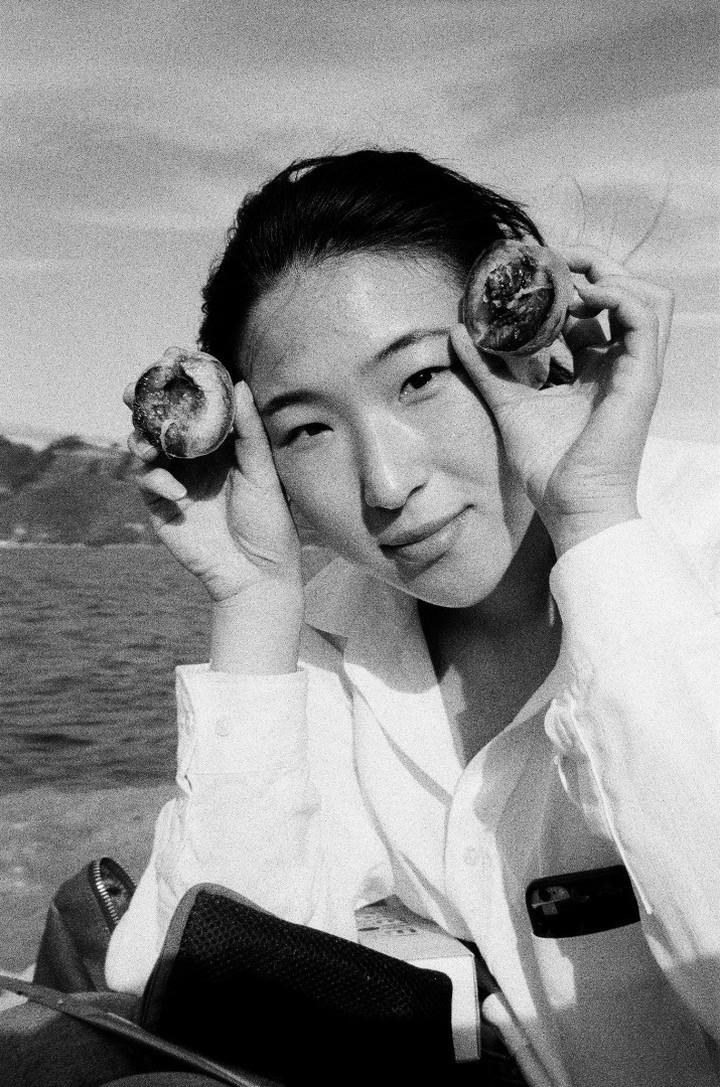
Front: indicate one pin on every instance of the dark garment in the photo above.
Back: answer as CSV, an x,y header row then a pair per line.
x,y
40,1047
164,1079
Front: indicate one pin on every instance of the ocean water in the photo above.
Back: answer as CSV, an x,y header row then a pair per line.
x,y
89,639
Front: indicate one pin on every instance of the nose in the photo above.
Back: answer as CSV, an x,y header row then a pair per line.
x,y
392,465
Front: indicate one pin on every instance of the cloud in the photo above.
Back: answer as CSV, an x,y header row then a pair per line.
x,y
672,51
710,321
136,128
657,229
28,267
648,220
73,170
158,117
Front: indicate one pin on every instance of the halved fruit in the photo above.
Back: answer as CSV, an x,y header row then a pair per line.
x,y
516,298
184,403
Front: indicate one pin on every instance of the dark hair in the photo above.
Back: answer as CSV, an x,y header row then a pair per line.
x,y
365,201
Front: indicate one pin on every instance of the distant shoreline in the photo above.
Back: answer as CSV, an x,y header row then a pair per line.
x,y
14,545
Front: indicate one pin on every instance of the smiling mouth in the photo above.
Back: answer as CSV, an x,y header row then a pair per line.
x,y
425,545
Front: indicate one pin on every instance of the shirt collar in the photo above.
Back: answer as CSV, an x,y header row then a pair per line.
x,y
386,659
340,593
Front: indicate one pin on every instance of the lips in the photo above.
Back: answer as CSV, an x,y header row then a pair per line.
x,y
421,545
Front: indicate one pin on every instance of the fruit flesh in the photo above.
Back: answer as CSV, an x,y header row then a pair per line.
x,y
184,404
516,299
518,295
180,397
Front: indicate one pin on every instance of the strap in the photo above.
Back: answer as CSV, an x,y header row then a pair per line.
x,y
112,1023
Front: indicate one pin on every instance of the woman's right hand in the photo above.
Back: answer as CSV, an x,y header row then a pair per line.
x,y
224,518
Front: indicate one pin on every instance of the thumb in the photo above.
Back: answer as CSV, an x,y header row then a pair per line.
x,y
489,374
252,449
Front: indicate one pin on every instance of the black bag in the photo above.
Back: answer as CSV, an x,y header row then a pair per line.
x,y
247,990
80,920
251,990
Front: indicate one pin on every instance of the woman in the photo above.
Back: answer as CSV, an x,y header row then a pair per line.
x,y
506,675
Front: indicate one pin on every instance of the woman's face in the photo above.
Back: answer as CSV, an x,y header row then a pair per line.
x,y
385,449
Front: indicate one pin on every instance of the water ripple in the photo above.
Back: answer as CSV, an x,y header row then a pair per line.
x,y
88,644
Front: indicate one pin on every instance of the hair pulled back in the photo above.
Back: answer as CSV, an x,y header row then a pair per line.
x,y
367,201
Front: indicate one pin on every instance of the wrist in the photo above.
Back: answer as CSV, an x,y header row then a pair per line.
x,y
572,529
256,630
285,589
229,578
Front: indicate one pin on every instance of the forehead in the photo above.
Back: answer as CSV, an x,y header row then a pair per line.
x,y
344,308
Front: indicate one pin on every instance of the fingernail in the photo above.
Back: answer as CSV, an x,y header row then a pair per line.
x,y
176,491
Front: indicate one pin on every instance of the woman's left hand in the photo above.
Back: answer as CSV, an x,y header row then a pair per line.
x,y
577,448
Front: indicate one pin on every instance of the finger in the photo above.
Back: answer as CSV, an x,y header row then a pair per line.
x,y
655,296
661,299
586,305
129,395
495,386
531,370
596,266
160,484
561,370
592,263
252,449
633,323
141,448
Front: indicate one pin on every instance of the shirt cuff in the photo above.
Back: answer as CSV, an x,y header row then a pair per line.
x,y
229,725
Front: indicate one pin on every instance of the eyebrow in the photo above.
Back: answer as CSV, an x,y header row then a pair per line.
x,y
286,400
409,340
308,396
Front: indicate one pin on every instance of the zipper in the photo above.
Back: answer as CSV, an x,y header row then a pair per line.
x,y
104,872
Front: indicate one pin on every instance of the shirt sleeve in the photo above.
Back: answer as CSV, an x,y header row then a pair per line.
x,y
638,734
248,813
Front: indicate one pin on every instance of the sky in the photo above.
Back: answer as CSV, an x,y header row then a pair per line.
x,y
132,130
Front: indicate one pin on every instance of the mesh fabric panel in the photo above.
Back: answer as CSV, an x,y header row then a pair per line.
x,y
304,1006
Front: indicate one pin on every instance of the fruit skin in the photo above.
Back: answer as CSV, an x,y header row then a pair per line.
x,y
184,403
516,298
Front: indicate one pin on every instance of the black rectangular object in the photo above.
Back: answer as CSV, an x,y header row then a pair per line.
x,y
310,1009
580,903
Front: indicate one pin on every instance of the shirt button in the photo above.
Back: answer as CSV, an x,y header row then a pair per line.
x,y
223,726
471,856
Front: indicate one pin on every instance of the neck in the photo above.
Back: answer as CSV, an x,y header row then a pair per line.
x,y
491,657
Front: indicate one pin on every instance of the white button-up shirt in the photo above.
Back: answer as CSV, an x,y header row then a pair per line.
x,y
315,793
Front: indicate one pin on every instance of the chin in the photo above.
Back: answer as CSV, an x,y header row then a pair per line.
x,y
454,588
452,596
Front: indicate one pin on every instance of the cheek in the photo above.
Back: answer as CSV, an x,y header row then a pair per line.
x,y
321,499
468,434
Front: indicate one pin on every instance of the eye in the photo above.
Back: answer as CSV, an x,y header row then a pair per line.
x,y
307,430
423,378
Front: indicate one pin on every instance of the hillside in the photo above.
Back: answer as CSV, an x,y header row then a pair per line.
x,y
71,492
